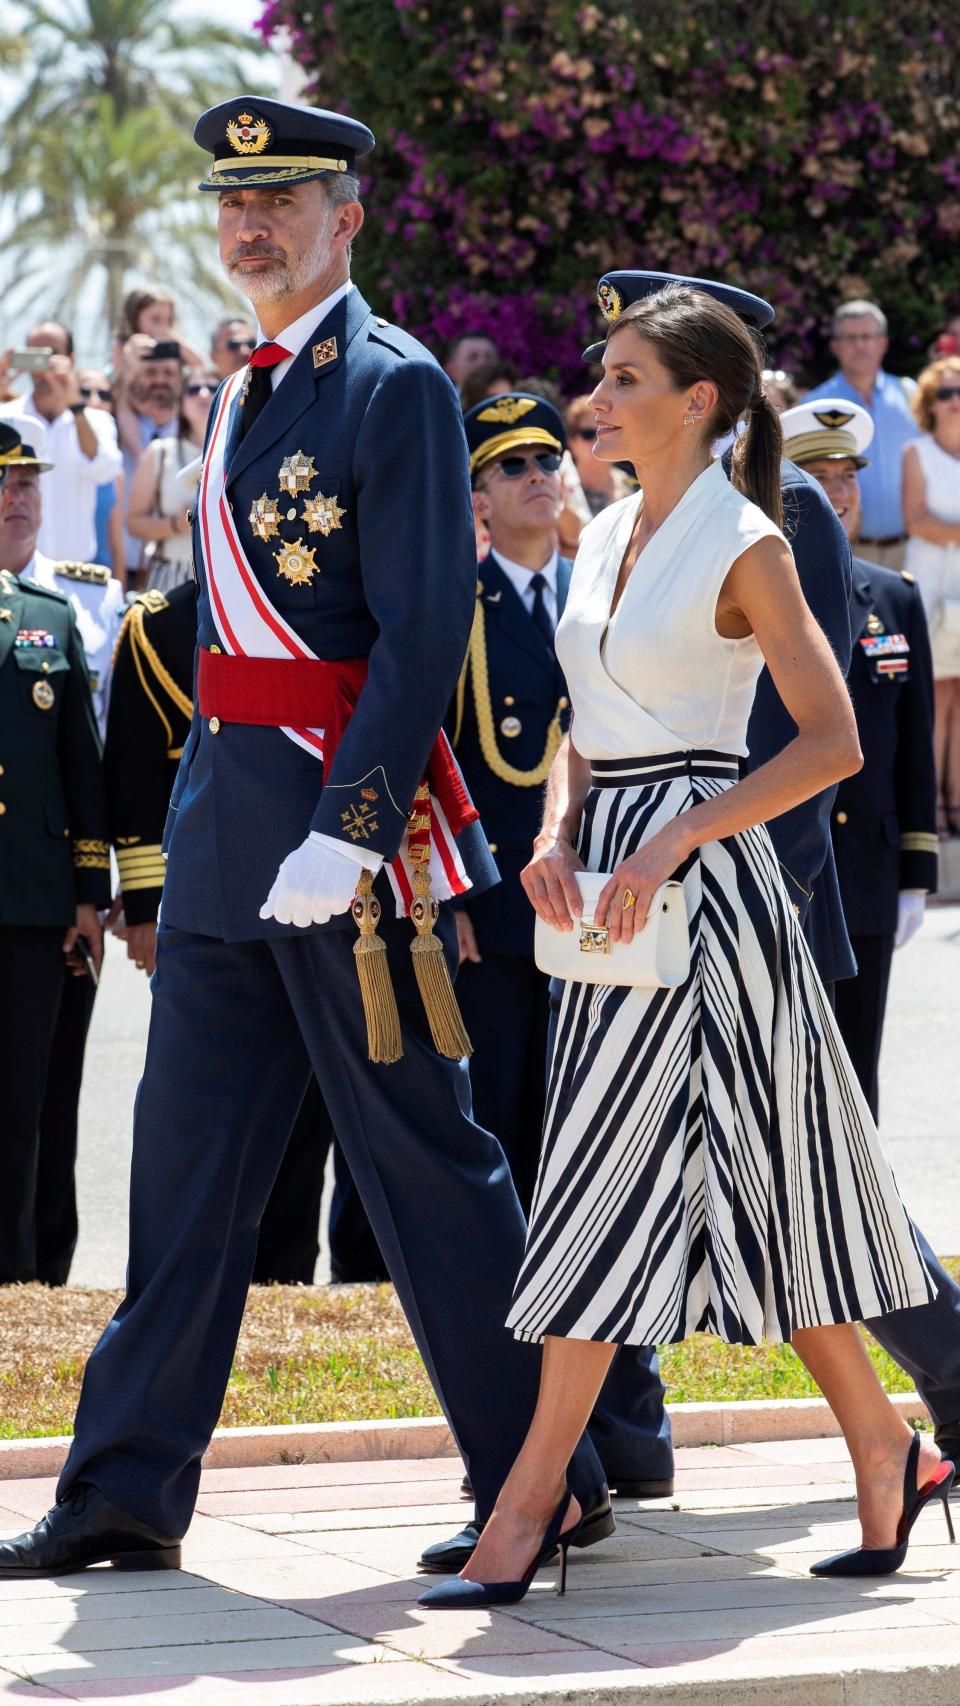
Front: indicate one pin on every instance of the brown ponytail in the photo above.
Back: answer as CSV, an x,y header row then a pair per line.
x,y
755,463
696,337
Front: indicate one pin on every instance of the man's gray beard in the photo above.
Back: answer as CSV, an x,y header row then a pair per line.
x,y
285,279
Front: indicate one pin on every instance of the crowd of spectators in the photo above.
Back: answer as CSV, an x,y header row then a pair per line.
x,y
125,445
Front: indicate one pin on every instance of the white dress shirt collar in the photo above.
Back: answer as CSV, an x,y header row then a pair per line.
x,y
295,336
520,576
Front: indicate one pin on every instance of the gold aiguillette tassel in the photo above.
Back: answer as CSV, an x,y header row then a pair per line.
x,y
433,978
384,1041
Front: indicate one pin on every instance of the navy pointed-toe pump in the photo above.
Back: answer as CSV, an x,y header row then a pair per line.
x,y
458,1595
884,1560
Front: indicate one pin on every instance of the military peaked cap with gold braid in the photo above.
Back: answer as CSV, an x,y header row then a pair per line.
x,y
827,429
515,421
257,143
619,290
16,453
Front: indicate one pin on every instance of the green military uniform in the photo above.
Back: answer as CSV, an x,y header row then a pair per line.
x,y
53,857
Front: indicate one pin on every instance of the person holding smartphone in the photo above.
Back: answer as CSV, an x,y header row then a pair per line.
x,y
54,863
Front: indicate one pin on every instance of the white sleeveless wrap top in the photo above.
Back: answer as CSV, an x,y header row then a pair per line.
x,y
657,677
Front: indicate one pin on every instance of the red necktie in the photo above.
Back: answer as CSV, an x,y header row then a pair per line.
x,y
259,387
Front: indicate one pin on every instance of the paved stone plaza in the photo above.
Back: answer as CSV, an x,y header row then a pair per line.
x,y
299,1590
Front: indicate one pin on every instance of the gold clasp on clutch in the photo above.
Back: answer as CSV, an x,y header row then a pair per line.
x,y
594,939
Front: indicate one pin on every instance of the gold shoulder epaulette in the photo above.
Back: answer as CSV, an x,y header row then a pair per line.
x,y
98,573
152,601
908,576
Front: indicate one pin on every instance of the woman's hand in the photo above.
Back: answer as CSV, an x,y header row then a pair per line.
x,y
640,875
550,882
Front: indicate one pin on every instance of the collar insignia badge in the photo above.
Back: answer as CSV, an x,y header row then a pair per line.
x,y
323,515
325,352
296,472
248,134
265,517
296,563
611,302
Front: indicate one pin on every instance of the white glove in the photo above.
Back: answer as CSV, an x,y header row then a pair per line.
x,y
317,881
910,909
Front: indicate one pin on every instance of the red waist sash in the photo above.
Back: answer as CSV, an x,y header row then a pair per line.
x,y
314,693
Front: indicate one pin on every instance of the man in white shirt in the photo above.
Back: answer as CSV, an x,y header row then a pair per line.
x,y
81,444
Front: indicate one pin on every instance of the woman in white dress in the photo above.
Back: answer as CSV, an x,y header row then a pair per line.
x,y
931,513
709,1161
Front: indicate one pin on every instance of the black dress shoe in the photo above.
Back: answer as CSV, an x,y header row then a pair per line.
x,y
466,1488
642,1489
947,1438
449,1556
86,1529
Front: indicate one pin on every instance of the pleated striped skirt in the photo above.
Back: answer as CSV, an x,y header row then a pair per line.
x,y
709,1162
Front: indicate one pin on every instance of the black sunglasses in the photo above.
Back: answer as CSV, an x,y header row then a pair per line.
x,y
589,433
94,391
239,343
198,390
946,392
513,467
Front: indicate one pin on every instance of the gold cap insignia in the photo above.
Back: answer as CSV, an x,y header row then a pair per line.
x,y
296,563
296,472
265,517
323,515
833,418
610,300
248,134
508,409
324,352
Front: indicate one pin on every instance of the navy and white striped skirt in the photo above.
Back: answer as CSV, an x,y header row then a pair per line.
x,y
709,1162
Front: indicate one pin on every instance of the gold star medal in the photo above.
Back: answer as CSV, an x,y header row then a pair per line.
x,y
323,515
265,517
296,472
296,563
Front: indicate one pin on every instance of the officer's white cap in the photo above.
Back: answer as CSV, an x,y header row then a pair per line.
x,y
827,429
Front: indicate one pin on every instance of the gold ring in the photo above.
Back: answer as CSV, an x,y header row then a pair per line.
x,y
629,899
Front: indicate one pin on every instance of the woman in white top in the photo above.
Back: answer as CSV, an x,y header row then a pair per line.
x,y
931,510
159,500
709,1161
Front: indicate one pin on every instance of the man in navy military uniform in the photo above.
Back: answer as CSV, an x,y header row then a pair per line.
x,y
883,824
510,716
54,864
337,579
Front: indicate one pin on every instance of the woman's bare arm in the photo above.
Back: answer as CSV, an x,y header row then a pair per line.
x,y
917,518
549,880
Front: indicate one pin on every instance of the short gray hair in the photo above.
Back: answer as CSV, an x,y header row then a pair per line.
x,y
341,187
858,309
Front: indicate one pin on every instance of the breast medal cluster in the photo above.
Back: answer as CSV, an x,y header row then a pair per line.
x,y
296,561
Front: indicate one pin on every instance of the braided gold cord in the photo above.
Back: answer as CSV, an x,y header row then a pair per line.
x,y
483,706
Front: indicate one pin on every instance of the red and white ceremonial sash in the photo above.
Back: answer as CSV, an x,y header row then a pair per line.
x,y
249,626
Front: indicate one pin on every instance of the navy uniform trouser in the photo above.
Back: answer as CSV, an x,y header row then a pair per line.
x,y
56,1169
234,1031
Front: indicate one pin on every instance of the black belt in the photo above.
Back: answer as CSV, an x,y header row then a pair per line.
x,y
665,767
892,539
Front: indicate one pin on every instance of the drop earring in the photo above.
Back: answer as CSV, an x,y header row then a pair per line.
x,y
689,420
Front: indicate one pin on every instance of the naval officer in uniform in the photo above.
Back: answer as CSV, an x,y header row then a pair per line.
x,y
883,823
510,715
54,865
316,820
96,599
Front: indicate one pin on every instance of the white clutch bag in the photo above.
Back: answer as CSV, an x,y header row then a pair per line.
x,y
657,958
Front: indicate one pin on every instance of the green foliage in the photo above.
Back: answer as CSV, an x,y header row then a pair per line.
x,y
97,161
526,147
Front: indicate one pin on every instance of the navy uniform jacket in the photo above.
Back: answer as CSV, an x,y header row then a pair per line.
x,y
884,820
801,837
526,689
396,582
148,722
53,821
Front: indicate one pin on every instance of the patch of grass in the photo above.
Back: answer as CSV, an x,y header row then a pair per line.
x,y
328,1354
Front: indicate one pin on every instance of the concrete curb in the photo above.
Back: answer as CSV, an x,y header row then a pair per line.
x,y
364,1442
